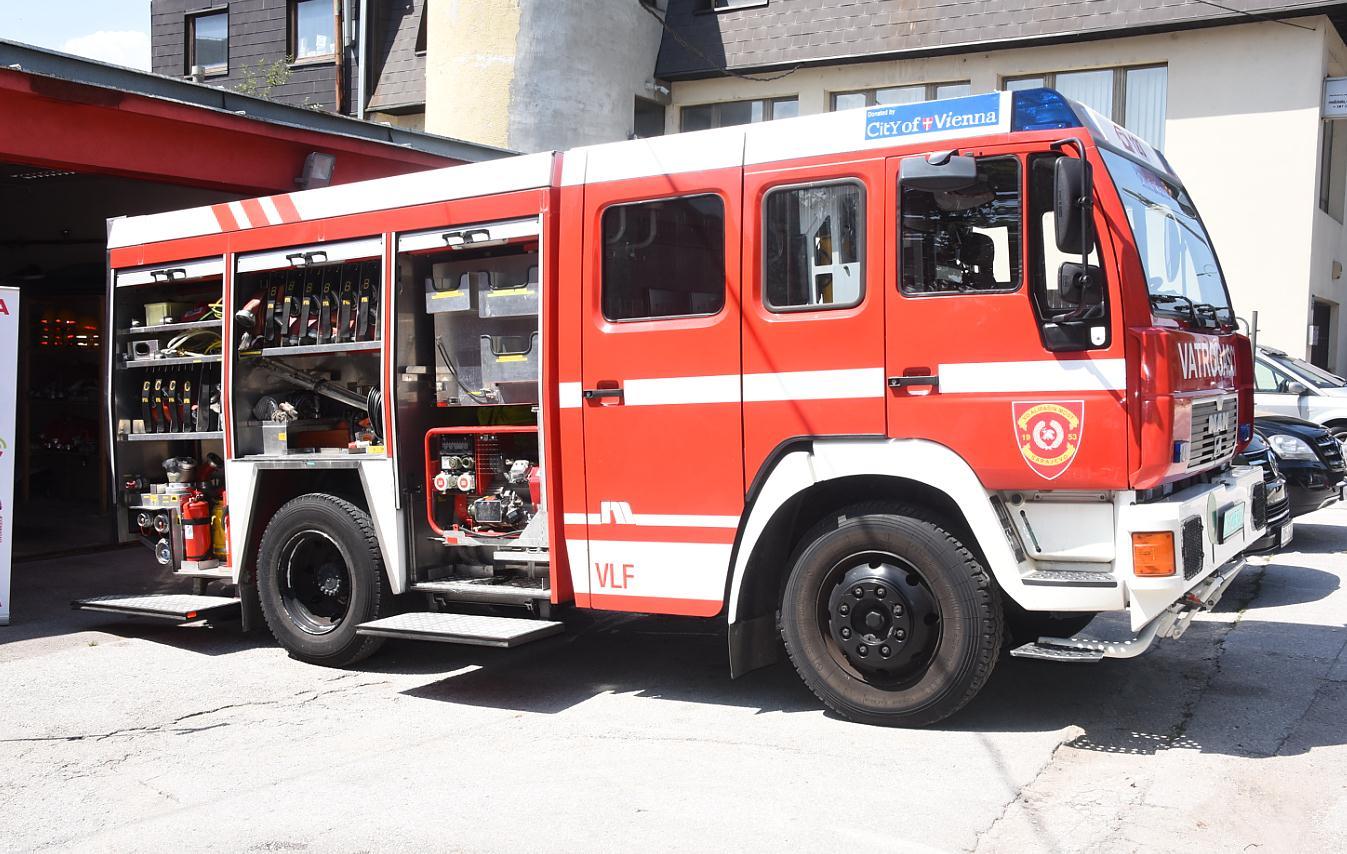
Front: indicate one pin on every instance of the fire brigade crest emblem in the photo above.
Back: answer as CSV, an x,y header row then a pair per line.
x,y
1049,434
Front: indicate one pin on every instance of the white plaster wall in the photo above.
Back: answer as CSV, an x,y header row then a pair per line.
x,y
1242,130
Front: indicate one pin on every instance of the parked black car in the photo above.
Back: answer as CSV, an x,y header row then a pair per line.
x,y
1309,457
1273,506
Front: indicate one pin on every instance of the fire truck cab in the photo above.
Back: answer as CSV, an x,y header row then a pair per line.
x,y
889,389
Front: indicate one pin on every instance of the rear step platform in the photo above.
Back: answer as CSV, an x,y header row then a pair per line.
x,y
181,607
472,629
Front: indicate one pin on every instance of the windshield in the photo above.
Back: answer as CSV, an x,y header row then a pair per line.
x,y
1317,376
1180,265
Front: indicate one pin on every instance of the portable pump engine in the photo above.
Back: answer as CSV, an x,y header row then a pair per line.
x,y
483,481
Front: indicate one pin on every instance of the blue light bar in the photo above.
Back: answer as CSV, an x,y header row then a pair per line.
x,y
1042,109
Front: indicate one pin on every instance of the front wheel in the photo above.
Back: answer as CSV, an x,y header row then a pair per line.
x,y
889,619
320,574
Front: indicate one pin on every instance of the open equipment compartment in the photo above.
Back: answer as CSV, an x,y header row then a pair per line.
x,y
469,384
307,364
165,413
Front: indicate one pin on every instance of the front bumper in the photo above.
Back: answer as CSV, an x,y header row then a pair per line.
x,y
1201,519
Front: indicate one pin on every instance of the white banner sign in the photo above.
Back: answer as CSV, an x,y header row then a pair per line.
x,y
9,442
1335,98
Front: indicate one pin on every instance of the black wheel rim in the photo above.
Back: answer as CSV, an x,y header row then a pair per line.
x,y
879,619
315,581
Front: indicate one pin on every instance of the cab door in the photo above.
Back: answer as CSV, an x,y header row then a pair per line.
x,y
814,305
973,298
661,390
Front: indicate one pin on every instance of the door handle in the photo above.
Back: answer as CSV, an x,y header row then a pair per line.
x,y
600,393
932,380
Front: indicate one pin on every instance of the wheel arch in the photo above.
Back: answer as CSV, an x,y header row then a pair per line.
x,y
811,478
257,492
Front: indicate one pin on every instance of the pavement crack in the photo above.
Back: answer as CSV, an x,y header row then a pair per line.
x,y
979,835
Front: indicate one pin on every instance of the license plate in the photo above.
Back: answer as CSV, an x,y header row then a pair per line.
x,y
1230,520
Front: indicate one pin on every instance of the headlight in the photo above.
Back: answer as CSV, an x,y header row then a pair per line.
x,y
1291,448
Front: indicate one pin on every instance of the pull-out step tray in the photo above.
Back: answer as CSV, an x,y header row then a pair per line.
x,y
181,607
473,629
494,589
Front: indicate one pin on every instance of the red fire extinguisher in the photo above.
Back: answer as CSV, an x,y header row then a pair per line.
x,y
196,533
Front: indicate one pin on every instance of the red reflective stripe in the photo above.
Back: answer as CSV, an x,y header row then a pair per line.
x,y
253,208
225,217
286,207
656,605
650,534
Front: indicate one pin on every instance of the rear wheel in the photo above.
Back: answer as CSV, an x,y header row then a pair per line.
x,y
889,619
319,575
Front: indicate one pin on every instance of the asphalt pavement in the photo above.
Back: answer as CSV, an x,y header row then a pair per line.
x,y
627,733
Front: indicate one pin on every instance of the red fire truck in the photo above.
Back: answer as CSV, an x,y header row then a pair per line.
x,y
893,389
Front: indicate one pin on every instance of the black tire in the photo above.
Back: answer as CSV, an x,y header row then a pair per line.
x,y
934,661
319,575
1028,626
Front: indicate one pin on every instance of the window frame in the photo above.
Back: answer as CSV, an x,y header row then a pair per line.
x,y
769,107
189,50
862,244
292,38
724,256
709,7
1020,171
1118,113
871,93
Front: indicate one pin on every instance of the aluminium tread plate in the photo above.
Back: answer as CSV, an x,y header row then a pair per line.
x,y
472,629
182,607
1071,578
1046,652
488,589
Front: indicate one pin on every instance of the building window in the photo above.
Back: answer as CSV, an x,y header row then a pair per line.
x,y
208,42
812,246
1332,162
730,113
421,31
647,118
312,30
1133,97
900,94
967,240
664,258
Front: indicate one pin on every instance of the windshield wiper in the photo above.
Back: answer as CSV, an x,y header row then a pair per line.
x,y
1206,308
1163,300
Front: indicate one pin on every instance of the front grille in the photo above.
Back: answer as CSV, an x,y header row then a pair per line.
x,y
1331,451
1258,505
1215,429
1192,547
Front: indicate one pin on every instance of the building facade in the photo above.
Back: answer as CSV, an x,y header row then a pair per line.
x,y
1233,100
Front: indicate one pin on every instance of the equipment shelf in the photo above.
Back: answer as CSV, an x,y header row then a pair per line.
x,y
314,349
163,328
171,437
170,362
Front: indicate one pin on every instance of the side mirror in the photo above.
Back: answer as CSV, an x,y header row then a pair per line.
x,y
1297,388
955,172
1072,192
1079,284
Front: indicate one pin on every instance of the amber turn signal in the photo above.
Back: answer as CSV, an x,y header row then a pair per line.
x,y
1153,554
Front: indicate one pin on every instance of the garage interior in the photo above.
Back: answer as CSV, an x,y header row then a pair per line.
x,y
83,142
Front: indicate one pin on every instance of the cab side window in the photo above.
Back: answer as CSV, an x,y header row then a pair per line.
x,y
1269,380
664,258
1061,301
966,240
812,246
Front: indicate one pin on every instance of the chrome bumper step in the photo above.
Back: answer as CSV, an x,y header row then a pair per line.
x,y
1171,623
